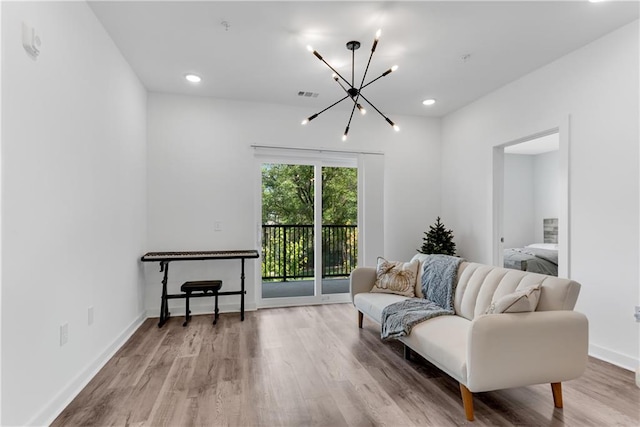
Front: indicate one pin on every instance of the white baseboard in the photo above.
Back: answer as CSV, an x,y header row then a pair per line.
x,y
613,357
49,413
300,301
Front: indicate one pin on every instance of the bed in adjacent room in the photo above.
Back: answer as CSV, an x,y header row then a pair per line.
x,y
537,257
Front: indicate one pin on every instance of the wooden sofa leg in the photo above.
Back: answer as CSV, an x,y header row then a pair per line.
x,y
556,389
407,352
360,316
467,402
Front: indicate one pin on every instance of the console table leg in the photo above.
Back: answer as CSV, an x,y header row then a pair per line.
x,y
164,304
242,290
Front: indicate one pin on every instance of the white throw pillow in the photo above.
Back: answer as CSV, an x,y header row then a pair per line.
x,y
516,302
396,277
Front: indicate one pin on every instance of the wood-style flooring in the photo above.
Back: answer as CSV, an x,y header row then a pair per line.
x,y
308,366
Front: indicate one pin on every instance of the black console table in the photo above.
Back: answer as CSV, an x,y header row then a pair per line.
x,y
164,258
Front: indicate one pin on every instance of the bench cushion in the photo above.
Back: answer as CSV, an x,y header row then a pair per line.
x,y
201,286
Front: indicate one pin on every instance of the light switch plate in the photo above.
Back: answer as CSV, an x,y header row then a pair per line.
x,y
64,334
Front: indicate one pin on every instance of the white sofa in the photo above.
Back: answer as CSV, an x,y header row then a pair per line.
x,y
485,352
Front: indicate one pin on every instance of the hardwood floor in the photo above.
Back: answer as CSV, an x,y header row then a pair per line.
x,y
311,365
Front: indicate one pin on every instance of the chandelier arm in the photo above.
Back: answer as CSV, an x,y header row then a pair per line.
x,y
389,71
343,88
335,103
330,67
353,109
377,78
374,107
367,69
346,130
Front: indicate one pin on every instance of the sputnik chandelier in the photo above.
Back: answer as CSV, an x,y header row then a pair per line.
x,y
352,91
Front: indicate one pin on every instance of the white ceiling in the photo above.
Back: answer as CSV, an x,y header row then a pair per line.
x,y
261,55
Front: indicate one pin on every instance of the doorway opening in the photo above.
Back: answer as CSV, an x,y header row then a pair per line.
x,y
531,203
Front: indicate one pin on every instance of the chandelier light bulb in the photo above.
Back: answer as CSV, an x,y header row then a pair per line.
x,y
308,119
378,33
309,48
396,128
344,137
390,70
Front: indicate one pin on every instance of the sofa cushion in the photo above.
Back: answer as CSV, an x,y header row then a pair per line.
x,y
396,277
443,341
521,301
372,304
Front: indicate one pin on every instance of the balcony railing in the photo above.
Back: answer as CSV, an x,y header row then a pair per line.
x,y
288,252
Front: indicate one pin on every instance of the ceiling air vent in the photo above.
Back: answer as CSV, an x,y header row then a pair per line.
x,y
308,94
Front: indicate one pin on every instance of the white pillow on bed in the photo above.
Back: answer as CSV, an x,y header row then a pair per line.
x,y
548,246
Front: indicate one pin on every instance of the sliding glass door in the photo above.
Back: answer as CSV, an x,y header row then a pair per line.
x,y
339,227
309,231
288,212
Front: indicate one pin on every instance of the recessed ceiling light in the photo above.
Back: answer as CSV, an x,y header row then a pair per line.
x,y
429,102
193,78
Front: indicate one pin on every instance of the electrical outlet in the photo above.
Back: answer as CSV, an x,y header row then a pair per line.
x,y
217,225
90,316
64,334
637,313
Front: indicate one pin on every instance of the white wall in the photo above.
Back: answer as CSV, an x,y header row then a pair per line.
x,y
201,169
531,194
73,205
519,205
597,86
546,190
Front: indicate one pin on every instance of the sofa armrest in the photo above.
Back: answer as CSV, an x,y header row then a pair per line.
x,y
361,279
518,349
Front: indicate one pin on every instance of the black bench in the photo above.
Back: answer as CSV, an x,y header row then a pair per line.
x,y
202,288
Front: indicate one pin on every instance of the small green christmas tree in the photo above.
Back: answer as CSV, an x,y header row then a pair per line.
x,y
438,240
